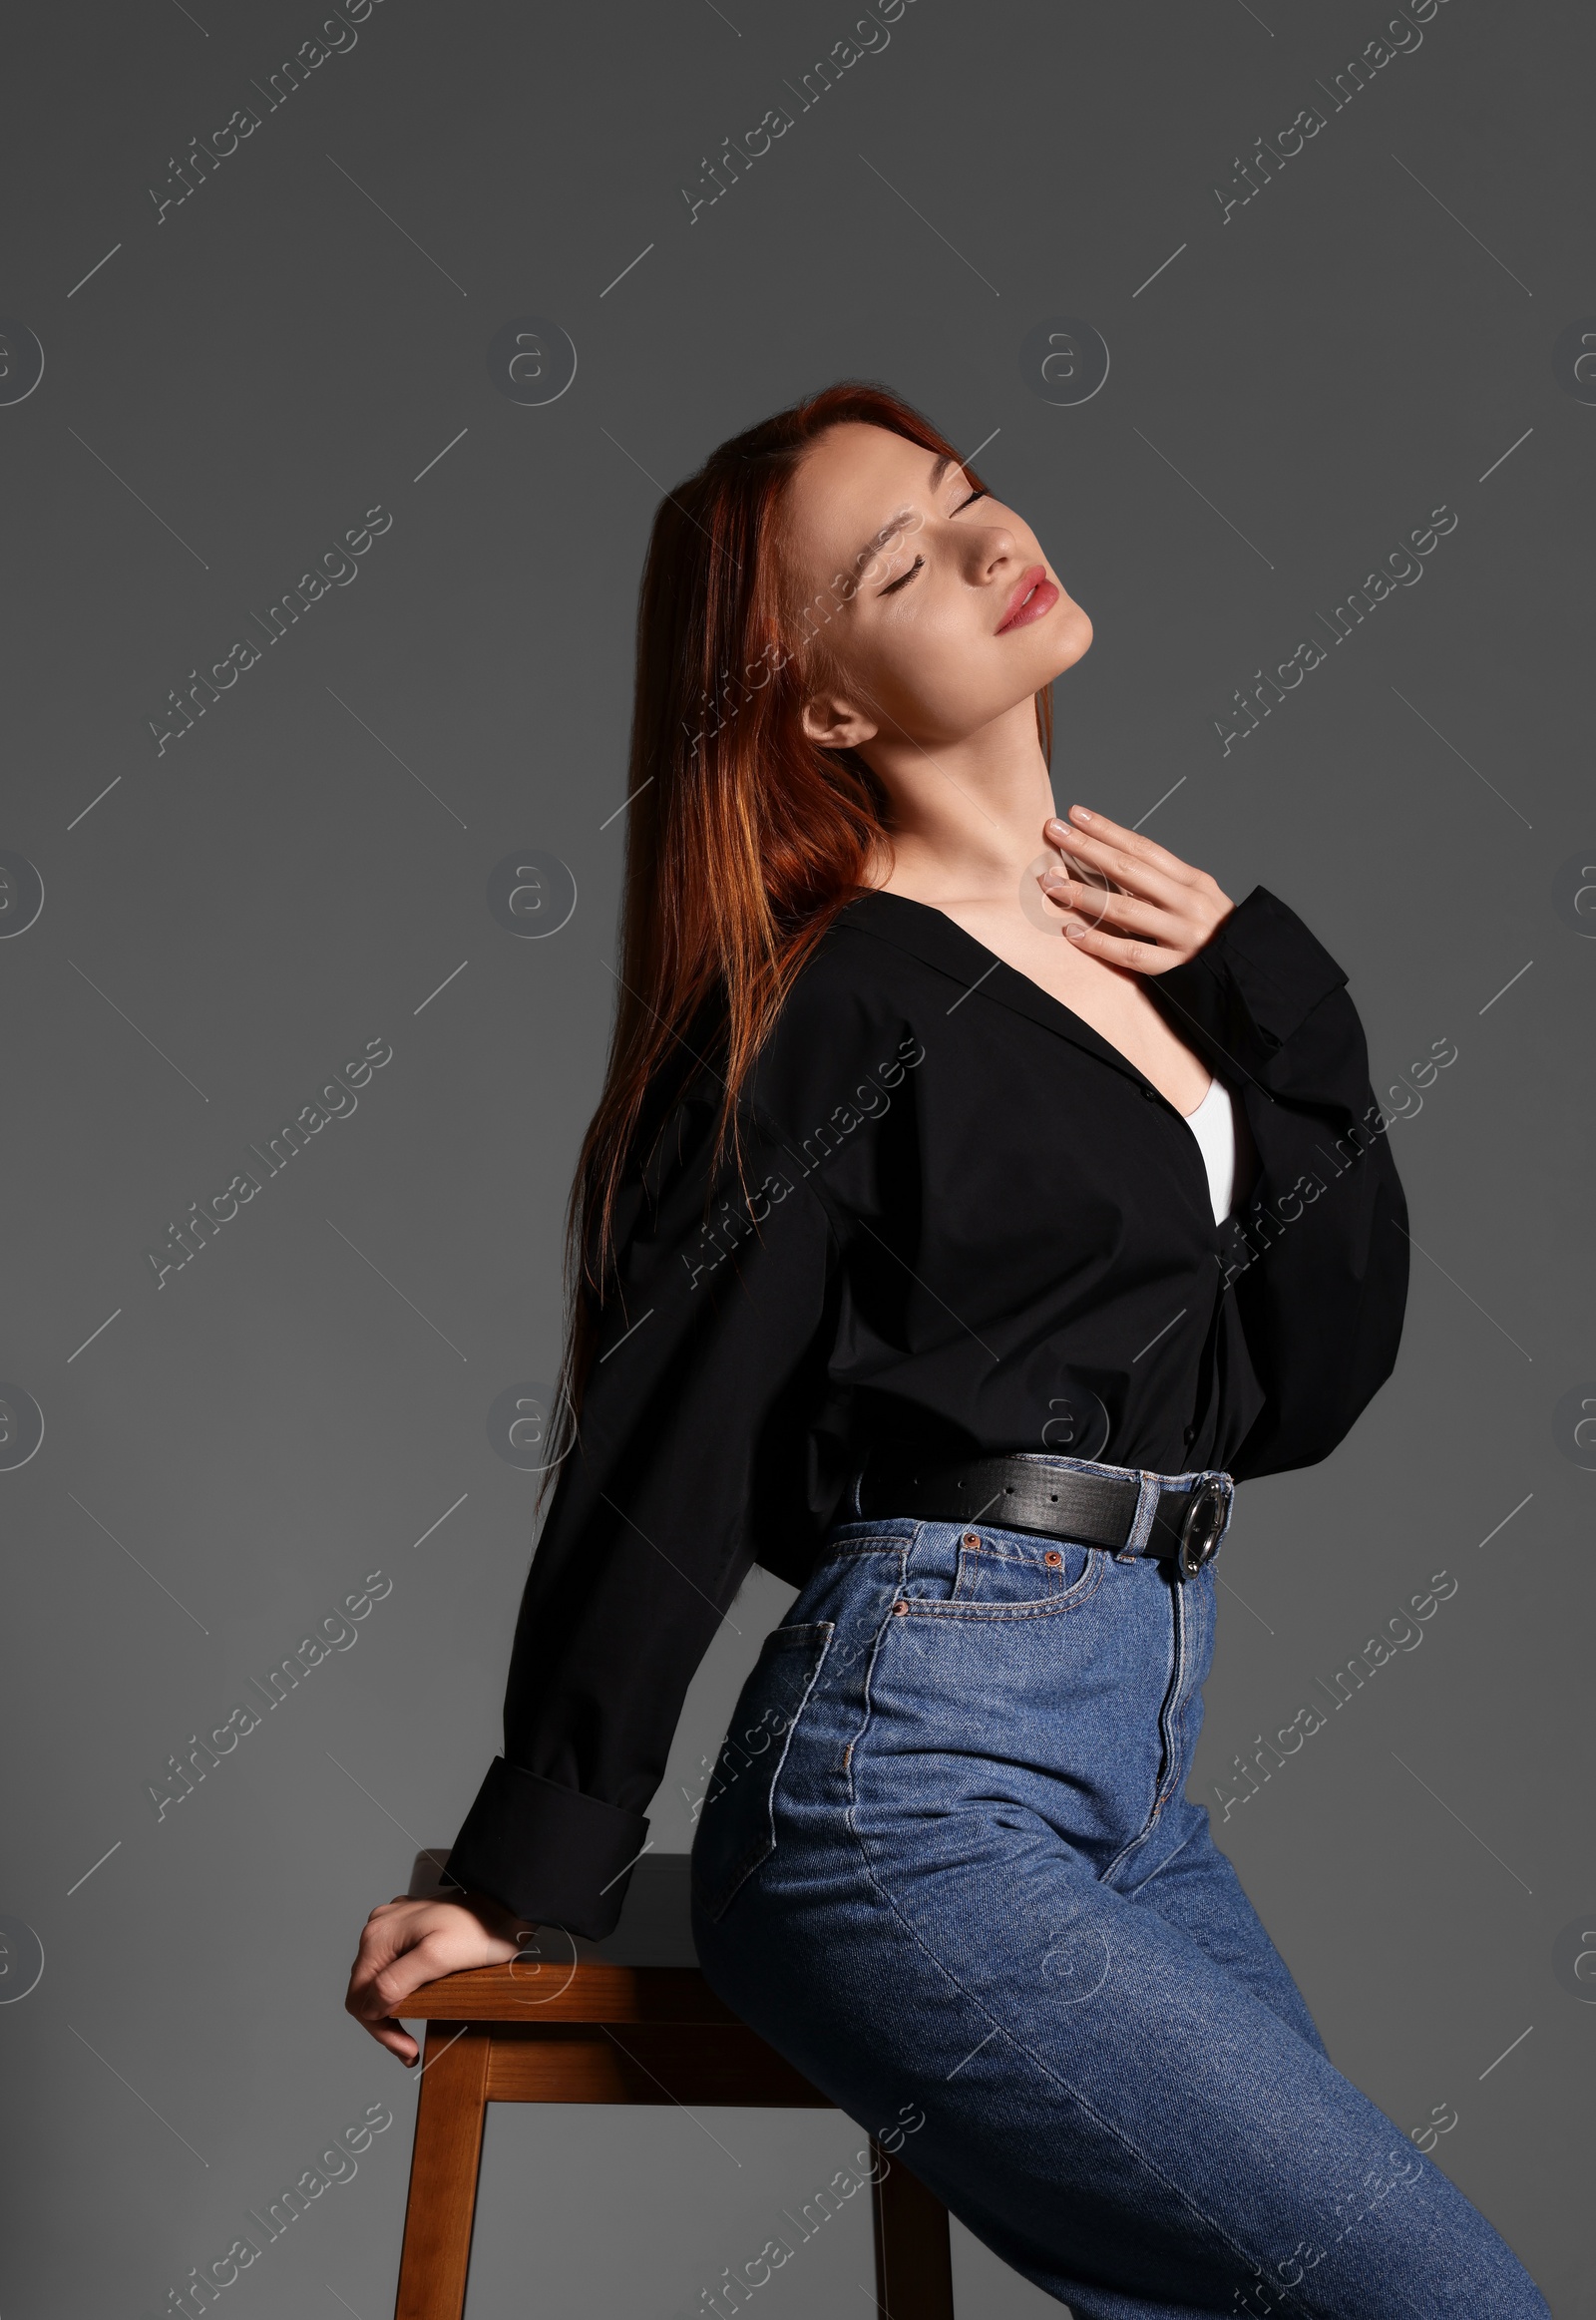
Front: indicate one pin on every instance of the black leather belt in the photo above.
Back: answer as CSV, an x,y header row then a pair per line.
x,y
1026,1492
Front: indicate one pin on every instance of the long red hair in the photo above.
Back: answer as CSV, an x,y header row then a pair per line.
x,y
743,837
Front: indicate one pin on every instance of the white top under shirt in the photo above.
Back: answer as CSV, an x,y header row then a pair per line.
x,y
1214,1124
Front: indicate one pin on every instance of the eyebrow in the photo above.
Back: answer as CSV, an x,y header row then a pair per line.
x,y
872,546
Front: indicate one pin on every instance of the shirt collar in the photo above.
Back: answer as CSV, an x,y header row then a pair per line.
x,y
931,935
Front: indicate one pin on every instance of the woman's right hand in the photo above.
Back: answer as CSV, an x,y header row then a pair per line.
x,y
406,1943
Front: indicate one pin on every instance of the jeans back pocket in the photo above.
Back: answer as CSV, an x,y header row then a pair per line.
x,y
736,1822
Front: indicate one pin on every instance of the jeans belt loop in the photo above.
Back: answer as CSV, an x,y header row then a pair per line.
x,y
1142,1529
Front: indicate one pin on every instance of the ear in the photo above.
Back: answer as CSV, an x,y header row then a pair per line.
x,y
834,723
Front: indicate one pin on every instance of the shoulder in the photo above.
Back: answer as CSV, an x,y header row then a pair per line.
x,y
883,960
874,946
851,1015
846,1036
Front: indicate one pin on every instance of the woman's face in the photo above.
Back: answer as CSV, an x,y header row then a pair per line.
x,y
935,602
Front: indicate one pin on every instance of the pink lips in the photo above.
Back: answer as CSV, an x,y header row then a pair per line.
x,y
1034,596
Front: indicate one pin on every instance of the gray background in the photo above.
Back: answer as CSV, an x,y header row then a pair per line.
x,y
226,923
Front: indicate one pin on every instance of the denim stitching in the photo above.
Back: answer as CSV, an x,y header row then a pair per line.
x,y
1175,1717
1176,1676
1188,1692
850,1818
1045,1607
851,1548
1153,1874
1105,2126
1288,2302
718,1900
1147,1497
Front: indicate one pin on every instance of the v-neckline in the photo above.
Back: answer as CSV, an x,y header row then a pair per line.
x,y
942,935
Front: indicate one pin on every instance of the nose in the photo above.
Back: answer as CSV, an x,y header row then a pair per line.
x,y
994,551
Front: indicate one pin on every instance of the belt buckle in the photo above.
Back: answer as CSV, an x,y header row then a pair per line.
x,y
1205,1522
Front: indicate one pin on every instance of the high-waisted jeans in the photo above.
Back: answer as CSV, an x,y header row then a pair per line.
x,y
945,1866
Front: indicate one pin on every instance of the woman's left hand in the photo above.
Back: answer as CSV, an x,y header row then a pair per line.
x,y
1167,913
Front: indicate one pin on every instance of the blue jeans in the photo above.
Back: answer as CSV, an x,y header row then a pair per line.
x,y
947,1865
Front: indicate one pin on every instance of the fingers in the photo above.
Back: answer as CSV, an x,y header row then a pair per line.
x,y
1122,853
396,1956
427,1961
1096,904
370,2007
1175,907
1140,957
1171,936
387,1935
405,1944
379,1943
408,1943
396,2039
391,1927
1127,866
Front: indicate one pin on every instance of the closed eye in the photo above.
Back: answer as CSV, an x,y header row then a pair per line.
x,y
892,588
904,577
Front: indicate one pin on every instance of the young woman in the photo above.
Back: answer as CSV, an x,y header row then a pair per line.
x,y
975,1196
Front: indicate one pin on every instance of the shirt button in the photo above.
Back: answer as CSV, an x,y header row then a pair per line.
x,y
1189,1434
1151,1093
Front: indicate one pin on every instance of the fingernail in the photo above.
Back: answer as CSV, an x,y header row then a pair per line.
x,y
1079,933
1084,812
1053,823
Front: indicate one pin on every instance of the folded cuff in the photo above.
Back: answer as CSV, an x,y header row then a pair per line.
x,y
547,1853
1253,982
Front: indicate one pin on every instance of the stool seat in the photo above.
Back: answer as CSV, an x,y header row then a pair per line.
x,y
629,2018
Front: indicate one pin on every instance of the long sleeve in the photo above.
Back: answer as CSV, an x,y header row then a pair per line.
x,y
959,1207
1318,1257
695,1392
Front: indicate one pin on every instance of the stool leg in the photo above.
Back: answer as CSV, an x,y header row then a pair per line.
x,y
914,2261
442,2204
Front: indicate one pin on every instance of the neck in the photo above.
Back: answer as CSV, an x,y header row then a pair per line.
x,y
966,815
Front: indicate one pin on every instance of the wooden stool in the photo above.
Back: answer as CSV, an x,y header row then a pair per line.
x,y
631,2019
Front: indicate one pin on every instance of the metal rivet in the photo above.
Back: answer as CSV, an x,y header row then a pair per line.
x,y
972,1539
898,1609
1052,1558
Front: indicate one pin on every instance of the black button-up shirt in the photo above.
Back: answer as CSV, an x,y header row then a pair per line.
x,y
970,1225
